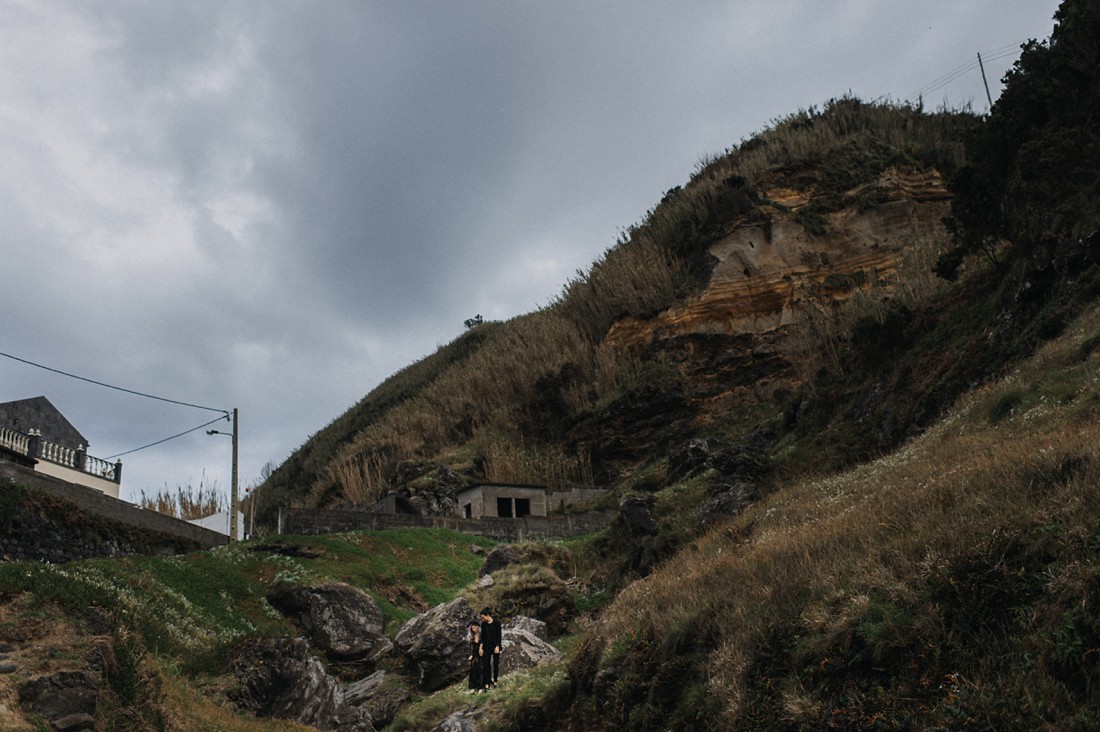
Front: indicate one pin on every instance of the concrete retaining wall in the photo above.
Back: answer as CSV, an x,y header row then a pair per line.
x,y
309,521
122,527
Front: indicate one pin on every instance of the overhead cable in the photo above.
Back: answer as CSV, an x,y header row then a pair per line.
x,y
166,439
938,83
116,388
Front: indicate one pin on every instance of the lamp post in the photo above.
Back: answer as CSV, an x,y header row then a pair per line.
x,y
233,488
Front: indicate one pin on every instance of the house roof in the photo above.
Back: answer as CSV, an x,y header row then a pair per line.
x,y
37,413
515,486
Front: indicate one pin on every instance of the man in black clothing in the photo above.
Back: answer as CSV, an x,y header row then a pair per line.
x,y
490,648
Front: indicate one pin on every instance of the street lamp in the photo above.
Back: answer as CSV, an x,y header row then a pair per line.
x,y
233,489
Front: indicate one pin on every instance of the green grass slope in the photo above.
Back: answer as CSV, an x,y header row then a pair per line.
x,y
164,627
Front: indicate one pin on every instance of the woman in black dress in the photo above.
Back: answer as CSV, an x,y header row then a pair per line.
x,y
473,639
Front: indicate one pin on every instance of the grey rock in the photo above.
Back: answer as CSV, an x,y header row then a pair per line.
x,y
435,643
734,462
728,500
61,694
7,667
462,721
278,677
342,621
485,581
363,689
79,722
533,626
522,649
380,699
500,557
637,513
430,490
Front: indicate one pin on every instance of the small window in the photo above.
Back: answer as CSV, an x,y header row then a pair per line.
x,y
504,507
468,510
523,507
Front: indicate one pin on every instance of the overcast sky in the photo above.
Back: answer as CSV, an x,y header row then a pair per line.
x,y
275,205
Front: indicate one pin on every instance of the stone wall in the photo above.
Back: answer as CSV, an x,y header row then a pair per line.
x,y
46,519
310,521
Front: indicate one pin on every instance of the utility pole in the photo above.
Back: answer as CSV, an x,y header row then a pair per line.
x,y
233,498
233,488
984,81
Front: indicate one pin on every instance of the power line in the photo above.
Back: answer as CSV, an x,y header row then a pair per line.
x,y
166,439
116,388
940,82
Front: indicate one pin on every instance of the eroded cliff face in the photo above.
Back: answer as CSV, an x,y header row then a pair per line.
x,y
738,340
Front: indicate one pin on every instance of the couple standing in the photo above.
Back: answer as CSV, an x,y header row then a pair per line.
x,y
485,640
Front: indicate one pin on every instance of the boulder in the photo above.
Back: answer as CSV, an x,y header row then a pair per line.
x,y
734,462
545,598
342,621
79,722
435,643
521,648
728,500
637,514
278,677
461,721
533,626
381,700
500,557
430,491
362,690
60,695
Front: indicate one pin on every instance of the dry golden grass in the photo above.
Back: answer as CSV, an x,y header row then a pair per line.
x,y
484,394
507,460
635,277
817,550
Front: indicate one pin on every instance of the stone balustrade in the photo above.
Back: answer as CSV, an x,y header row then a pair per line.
x,y
32,445
14,441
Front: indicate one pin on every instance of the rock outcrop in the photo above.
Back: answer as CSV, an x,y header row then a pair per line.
x,y
427,489
342,621
67,699
500,557
737,341
279,677
381,699
464,720
637,513
434,643
524,645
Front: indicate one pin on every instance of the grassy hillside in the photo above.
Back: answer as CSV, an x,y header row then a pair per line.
x,y
951,584
525,400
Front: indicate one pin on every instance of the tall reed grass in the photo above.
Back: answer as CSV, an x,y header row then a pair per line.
x,y
186,503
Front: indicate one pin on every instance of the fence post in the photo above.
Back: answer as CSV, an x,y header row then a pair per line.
x,y
118,472
80,458
34,442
